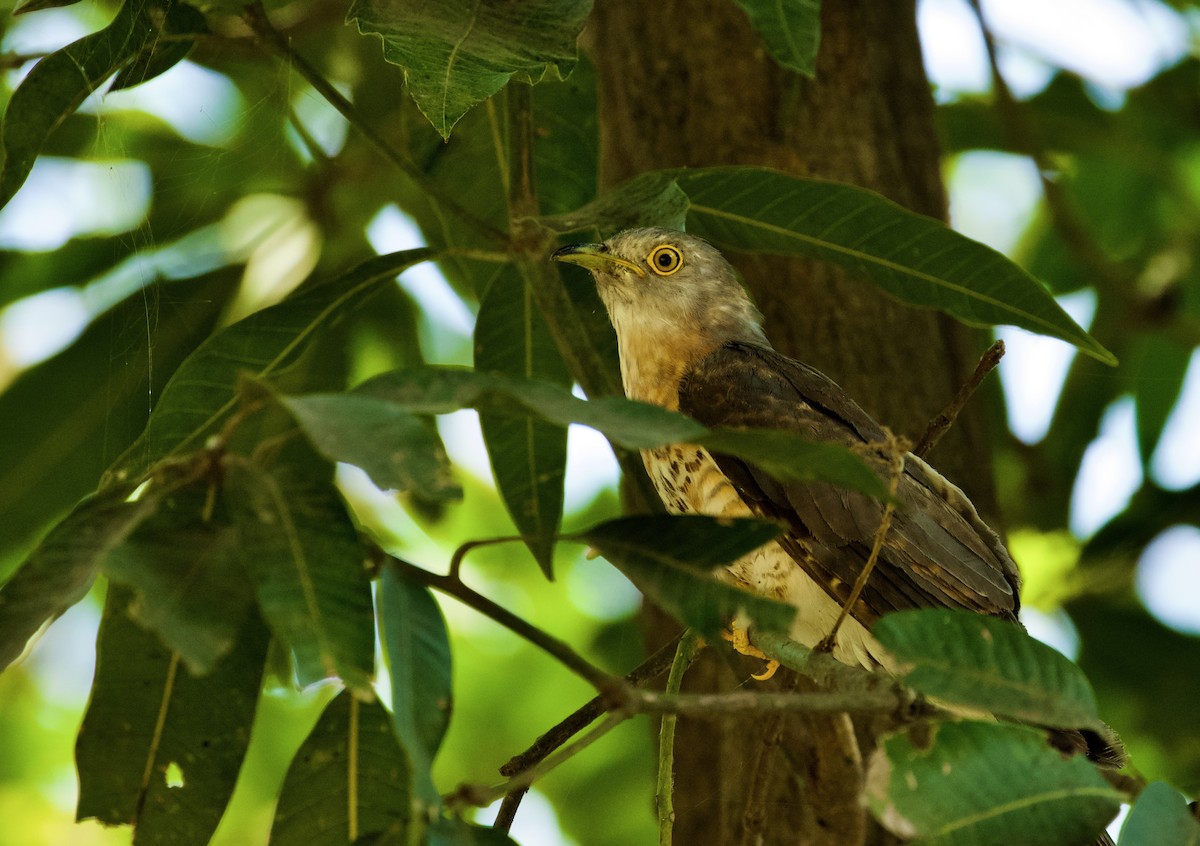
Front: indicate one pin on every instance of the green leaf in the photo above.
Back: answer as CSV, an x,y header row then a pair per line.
x,y
59,83
629,423
61,422
59,572
160,54
787,456
649,199
271,342
791,29
528,455
147,713
452,831
62,568
191,587
303,552
397,449
912,257
416,650
39,5
440,390
456,53
671,559
990,664
986,784
1160,817
349,783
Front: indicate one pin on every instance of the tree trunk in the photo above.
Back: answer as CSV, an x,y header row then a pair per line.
x,y
689,84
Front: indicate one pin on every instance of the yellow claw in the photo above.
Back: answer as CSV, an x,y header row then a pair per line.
x,y
740,640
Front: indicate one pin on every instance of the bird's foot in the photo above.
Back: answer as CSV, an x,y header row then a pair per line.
x,y
740,640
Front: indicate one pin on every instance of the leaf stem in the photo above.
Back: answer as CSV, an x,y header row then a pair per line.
x,y
256,18
939,425
666,739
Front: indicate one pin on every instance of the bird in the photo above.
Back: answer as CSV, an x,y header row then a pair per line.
x,y
690,339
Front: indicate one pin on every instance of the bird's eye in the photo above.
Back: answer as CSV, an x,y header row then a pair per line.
x,y
665,260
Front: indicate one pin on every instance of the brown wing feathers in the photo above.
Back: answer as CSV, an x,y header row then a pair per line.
x,y
935,554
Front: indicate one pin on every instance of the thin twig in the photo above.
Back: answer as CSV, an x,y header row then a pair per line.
x,y
896,452
688,646
603,681
256,18
456,559
939,425
650,669
481,795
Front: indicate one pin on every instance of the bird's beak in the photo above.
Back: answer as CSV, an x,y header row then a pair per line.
x,y
593,257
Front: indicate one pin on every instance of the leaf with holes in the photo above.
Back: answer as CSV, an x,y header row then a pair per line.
x,y
986,784
988,664
159,747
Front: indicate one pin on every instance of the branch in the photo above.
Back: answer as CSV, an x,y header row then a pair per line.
x,y
939,425
452,586
271,38
664,792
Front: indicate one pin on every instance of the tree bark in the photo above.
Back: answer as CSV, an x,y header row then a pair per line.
x,y
689,84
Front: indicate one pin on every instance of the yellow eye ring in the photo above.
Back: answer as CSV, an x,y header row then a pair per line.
x,y
665,260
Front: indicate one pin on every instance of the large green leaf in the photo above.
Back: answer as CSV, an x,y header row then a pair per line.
x,y
456,53
671,560
62,421
986,784
349,783
59,83
791,29
989,664
1160,817
160,748
192,589
416,650
175,19
268,343
912,257
528,455
397,449
61,569
303,552
631,424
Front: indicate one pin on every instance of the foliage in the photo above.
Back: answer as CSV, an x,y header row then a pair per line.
x,y
238,566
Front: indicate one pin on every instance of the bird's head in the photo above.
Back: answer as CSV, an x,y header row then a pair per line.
x,y
660,282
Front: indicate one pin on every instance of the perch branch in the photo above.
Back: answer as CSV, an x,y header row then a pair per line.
x,y
939,425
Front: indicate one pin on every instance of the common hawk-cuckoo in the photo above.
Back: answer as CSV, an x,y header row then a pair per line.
x,y
690,340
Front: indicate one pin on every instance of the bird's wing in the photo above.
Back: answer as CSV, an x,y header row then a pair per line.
x,y
938,553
